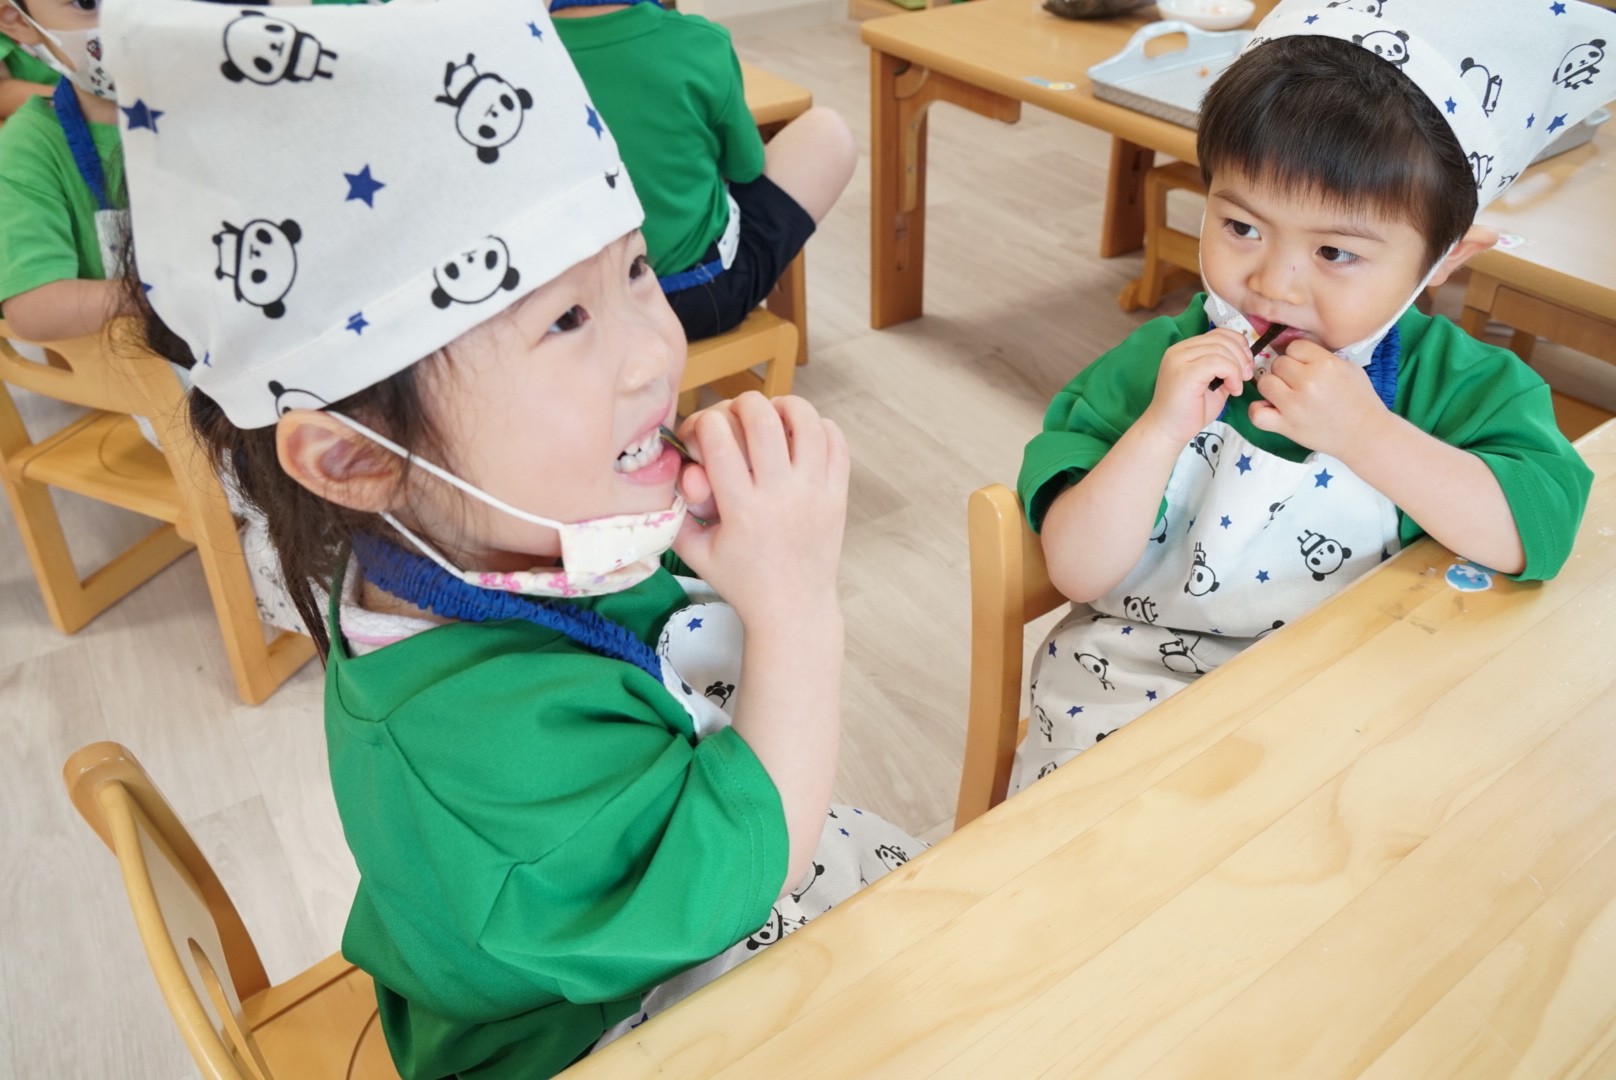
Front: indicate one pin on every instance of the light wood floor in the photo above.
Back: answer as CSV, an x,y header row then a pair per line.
x,y
934,409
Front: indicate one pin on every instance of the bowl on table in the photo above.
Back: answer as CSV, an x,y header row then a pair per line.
x,y
1207,14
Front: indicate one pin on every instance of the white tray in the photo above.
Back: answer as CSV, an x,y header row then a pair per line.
x,y
1169,86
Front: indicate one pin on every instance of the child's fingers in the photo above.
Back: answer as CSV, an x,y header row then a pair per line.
x,y
695,488
838,455
765,435
1265,416
690,430
724,462
805,433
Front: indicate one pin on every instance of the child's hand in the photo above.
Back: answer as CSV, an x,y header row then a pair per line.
x,y
778,474
1184,402
1318,400
694,486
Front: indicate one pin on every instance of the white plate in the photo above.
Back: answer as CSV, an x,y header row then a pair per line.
x,y
1207,14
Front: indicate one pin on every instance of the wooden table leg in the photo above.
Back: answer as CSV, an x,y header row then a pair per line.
x,y
1124,227
897,237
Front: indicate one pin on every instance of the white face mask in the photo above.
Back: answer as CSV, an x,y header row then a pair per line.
x,y
83,51
1224,314
600,556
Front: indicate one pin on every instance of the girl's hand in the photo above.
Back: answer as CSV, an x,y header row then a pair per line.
x,y
778,474
1320,401
694,486
1184,402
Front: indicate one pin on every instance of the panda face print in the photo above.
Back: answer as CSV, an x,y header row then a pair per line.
x,y
720,692
1045,727
474,275
1580,65
261,258
1277,624
1481,167
1202,578
1097,666
1390,45
1322,555
814,871
1179,655
287,400
264,50
1274,509
768,933
1046,770
1484,82
1209,444
1368,7
891,855
1139,608
1159,533
488,110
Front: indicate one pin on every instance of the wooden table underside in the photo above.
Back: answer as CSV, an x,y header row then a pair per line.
x,y
1381,844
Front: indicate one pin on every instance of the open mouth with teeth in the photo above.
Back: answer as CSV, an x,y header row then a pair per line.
x,y
646,451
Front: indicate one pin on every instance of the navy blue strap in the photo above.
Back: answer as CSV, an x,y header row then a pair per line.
x,y
696,275
422,582
557,5
1382,369
79,141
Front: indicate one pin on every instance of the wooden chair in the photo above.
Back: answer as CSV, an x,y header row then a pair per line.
x,y
1010,587
104,456
319,1025
725,362
1172,258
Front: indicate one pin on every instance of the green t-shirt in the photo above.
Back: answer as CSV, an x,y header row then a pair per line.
x,y
669,87
47,214
539,836
1467,393
23,66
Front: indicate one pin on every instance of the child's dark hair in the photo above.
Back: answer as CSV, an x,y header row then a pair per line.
x,y
1325,115
308,533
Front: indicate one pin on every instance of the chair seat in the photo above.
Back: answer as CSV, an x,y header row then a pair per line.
x,y
321,1025
105,456
758,340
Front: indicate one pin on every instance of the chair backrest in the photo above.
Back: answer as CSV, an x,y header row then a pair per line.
x,y
1010,586
96,371
199,949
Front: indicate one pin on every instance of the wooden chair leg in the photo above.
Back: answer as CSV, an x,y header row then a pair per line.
x,y
789,300
778,374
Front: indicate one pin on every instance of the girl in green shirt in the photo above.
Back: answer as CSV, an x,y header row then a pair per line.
x,y
426,341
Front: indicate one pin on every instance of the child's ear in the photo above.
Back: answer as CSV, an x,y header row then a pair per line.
x,y
336,462
17,28
1477,238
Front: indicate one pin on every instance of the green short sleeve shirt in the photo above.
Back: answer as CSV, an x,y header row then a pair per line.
x,y
669,86
1465,392
23,66
540,837
47,213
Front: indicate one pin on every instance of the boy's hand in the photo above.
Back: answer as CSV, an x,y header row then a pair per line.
x,y
778,473
1184,402
1318,400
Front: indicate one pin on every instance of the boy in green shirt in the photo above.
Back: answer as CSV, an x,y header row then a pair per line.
x,y
62,219
724,215
1220,474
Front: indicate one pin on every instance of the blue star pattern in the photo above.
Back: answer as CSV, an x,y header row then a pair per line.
x,y
1192,523
145,288
856,810
1127,629
1311,19
1244,464
207,359
533,28
1322,479
357,323
1557,122
141,115
844,832
1051,648
1074,710
1150,695
594,121
1224,523
1262,576
1558,9
361,185
1451,105
1530,119
693,624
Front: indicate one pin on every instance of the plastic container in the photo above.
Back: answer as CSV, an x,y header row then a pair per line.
x,y
1169,86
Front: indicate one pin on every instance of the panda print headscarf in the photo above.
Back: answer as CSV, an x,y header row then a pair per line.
x,y
322,196
1508,75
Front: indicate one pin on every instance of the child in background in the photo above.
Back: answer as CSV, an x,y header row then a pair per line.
x,y
62,215
1196,497
724,214
425,337
22,77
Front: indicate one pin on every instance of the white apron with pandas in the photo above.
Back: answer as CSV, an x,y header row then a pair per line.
x,y
700,649
1247,543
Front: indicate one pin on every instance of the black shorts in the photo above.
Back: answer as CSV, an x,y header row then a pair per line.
x,y
773,229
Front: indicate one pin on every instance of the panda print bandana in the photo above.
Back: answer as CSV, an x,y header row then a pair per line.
x,y
322,196
1508,75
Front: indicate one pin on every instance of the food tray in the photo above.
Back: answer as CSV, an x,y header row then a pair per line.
x,y
1169,86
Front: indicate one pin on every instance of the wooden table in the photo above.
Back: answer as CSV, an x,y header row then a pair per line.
x,y
979,56
1381,844
1560,284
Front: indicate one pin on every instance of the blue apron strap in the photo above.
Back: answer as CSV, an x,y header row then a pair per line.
x,y
1383,365
689,279
80,142
557,5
